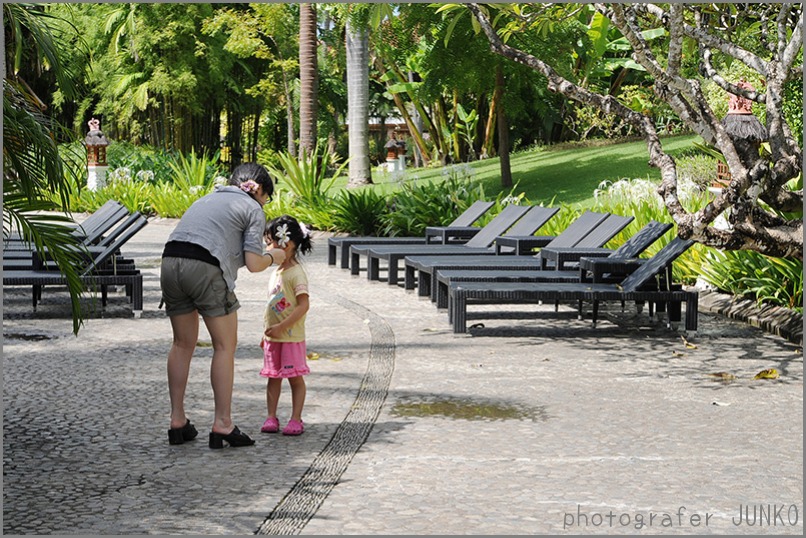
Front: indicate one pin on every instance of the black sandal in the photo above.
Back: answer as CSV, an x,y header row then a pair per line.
x,y
234,438
177,436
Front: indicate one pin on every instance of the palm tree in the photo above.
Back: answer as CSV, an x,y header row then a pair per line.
x,y
35,177
308,78
357,42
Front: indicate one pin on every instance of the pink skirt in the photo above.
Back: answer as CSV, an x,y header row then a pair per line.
x,y
284,360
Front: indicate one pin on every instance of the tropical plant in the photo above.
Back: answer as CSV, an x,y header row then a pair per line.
x,y
194,173
359,212
35,177
416,206
777,281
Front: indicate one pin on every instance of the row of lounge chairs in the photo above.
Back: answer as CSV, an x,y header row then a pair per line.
x,y
496,264
97,242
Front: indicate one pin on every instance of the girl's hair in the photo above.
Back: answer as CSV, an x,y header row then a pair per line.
x,y
254,172
287,227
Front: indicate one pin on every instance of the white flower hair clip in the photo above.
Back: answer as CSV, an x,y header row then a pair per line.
x,y
282,235
304,229
249,186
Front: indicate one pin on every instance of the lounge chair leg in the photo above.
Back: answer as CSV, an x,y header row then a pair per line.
x,y
459,307
595,314
580,313
373,268
423,284
355,264
331,254
408,278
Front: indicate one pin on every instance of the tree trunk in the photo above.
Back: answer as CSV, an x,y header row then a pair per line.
x,y
357,45
308,78
503,129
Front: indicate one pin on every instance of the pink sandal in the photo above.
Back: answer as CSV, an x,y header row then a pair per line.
x,y
272,425
294,427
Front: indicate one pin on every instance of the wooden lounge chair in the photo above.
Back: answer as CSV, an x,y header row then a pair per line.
x,y
99,272
589,230
651,282
531,270
519,219
459,231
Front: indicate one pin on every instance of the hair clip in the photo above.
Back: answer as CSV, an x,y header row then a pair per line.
x,y
249,186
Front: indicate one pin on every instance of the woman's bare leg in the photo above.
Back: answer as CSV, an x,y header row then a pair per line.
x,y
185,334
224,333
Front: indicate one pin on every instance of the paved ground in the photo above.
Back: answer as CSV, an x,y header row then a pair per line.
x,y
529,426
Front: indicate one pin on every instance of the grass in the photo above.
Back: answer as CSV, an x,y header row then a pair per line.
x,y
561,174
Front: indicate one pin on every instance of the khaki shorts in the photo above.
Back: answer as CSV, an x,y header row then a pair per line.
x,y
189,285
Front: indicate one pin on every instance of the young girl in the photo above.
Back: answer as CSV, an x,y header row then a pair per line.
x,y
284,350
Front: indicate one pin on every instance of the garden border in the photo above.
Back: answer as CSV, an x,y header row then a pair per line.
x,y
777,320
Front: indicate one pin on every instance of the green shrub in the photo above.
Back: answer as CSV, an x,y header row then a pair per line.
x,y
777,281
416,206
359,212
140,159
171,202
189,172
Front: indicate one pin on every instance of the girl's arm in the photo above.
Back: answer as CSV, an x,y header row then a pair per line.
x,y
302,308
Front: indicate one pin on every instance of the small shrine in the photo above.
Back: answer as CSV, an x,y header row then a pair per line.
x,y
96,143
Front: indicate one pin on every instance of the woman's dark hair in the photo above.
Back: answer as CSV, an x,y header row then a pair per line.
x,y
255,172
300,237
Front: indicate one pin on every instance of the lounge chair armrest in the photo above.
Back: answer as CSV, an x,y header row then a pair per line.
x,y
520,244
563,255
598,267
450,234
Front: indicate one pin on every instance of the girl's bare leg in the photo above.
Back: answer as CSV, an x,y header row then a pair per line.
x,y
298,390
273,389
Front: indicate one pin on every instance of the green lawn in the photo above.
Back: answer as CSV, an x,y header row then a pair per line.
x,y
563,174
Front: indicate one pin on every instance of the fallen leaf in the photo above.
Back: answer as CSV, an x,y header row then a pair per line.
x,y
313,356
721,404
688,344
769,373
724,376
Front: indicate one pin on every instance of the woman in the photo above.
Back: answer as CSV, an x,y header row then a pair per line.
x,y
217,235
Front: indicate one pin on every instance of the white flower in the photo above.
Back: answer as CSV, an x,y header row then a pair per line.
x,y
282,235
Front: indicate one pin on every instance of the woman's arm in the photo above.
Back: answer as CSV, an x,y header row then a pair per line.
x,y
260,262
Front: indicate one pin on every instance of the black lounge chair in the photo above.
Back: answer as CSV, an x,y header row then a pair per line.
x,y
22,260
512,219
589,230
651,282
100,271
593,269
458,231
89,232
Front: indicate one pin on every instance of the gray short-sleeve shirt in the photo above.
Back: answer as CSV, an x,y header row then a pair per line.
x,y
227,222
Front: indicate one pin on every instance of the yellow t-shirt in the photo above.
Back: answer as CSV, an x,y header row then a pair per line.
x,y
284,287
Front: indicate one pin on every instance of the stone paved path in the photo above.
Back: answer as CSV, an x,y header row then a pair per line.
x,y
529,426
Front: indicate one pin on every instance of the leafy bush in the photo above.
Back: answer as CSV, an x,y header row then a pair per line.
x,y
697,169
416,206
171,202
359,212
192,172
140,158
777,281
